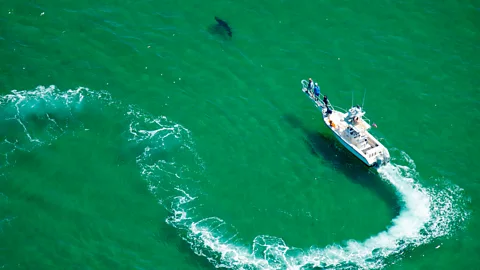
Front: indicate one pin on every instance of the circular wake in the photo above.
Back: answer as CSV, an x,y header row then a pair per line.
x,y
167,160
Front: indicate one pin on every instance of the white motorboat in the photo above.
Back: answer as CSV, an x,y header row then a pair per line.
x,y
351,129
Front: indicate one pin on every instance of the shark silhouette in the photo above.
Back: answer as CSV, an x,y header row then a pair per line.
x,y
221,28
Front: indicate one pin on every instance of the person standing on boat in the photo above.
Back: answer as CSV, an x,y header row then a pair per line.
x,y
310,85
325,101
316,91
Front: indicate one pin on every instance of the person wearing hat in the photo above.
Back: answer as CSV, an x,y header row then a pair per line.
x,y
310,85
316,91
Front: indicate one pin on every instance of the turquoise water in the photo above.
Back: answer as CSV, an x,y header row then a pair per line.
x,y
135,137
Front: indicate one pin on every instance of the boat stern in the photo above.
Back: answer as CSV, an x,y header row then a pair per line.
x,y
383,159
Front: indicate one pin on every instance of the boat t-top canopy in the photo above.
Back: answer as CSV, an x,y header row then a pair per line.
x,y
355,111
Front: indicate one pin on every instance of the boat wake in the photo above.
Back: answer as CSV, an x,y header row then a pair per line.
x,y
165,154
427,214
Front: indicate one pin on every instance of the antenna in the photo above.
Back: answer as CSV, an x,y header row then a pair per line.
x,y
363,102
352,98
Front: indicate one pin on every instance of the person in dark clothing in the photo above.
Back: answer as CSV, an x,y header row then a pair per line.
x,y
325,101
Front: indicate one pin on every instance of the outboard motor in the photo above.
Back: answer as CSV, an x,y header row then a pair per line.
x,y
384,159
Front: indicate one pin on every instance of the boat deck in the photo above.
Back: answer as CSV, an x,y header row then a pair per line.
x,y
371,144
340,125
362,125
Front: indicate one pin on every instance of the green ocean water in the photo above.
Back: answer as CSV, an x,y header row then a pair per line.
x,y
135,137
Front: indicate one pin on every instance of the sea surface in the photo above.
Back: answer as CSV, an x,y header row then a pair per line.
x,y
140,135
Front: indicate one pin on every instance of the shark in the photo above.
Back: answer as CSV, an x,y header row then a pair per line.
x,y
221,28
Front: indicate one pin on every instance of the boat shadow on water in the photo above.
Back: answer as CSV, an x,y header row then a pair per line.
x,y
328,148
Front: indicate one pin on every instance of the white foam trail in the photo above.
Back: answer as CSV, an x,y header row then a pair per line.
x,y
426,215
406,230
29,119
163,149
